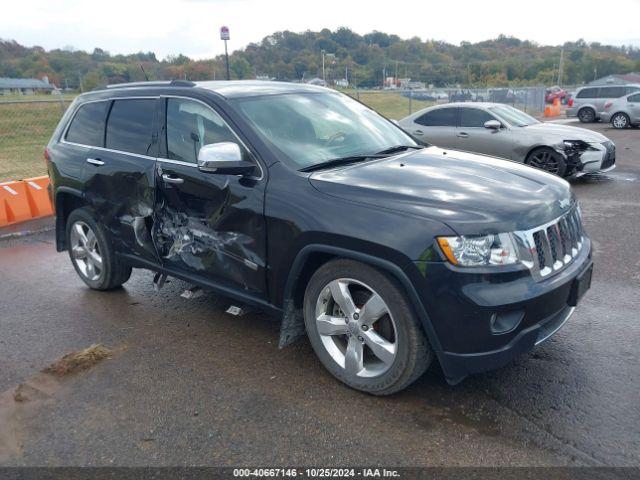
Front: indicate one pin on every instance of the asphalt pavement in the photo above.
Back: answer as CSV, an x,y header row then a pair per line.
x,y
188,384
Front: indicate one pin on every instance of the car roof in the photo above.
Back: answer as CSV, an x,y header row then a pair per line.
x,y
468,104
609,85
251,88
226,88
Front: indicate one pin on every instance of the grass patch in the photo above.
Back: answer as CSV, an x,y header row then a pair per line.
x,y
25,130
77,361
390,104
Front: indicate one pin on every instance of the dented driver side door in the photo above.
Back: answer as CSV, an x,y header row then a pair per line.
x,y
209,226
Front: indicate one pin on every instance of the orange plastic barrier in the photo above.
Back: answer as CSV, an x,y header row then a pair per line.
x,y
38,196
553,110
23,200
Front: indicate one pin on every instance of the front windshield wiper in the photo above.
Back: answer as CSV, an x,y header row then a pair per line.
x,y
340,161
399,148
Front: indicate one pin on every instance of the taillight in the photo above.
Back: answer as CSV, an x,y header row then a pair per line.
x,y
47,156
570,102
607,105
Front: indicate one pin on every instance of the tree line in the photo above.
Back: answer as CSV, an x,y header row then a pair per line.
x,y
363,59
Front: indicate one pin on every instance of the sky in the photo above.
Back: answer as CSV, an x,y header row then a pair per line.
x,y
191,27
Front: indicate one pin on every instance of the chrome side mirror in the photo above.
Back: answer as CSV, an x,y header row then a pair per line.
x,y
492,125
224,158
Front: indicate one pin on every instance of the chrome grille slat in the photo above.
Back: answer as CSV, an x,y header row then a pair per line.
x,y
554,245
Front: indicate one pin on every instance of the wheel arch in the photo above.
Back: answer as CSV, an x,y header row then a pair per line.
x,y
313,256
67,200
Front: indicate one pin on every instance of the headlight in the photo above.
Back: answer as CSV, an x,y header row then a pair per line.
x,y
575,146
477,251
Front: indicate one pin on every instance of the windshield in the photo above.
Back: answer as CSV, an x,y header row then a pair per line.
x,y
313,128
513,116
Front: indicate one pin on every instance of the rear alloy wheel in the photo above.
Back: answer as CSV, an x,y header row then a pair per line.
x,y
85,251
547,159
587,115
363,329
620,120
92,253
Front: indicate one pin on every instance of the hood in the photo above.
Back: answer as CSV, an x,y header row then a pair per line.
x,y
564,132
469,193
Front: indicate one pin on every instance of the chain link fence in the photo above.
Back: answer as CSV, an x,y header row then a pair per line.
x,y
397,104
25,129
26,124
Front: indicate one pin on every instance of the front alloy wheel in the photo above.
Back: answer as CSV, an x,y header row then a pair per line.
x,y
357,331
363,328
548,160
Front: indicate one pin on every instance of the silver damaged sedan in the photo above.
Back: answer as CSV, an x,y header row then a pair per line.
x,y
503,131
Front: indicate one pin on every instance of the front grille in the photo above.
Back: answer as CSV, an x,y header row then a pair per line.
x,y
553,246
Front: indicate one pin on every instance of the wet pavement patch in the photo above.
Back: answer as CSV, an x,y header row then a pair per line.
x,y
28,397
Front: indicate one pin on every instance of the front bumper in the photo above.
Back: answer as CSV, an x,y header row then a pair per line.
x,y
462,308
601,158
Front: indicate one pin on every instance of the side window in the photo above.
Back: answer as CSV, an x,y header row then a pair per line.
x,y
87,126
611,92
588,93
190,125
130,126
442,117
474,117
634,98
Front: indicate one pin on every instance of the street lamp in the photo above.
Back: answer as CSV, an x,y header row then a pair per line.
x,y
331,55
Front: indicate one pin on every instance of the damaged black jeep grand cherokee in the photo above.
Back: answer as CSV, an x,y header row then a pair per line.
x,y
304,202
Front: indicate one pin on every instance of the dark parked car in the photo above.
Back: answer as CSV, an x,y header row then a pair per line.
x,y
304,202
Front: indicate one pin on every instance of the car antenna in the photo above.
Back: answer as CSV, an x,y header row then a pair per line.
x,y
145,73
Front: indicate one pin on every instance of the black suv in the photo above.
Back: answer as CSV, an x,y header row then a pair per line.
x,y
304,202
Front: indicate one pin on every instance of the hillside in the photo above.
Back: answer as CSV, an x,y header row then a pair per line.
x,y
294,56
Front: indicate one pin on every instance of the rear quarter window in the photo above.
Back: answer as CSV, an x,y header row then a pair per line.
x,y
442,117
130,126
612,92
87,125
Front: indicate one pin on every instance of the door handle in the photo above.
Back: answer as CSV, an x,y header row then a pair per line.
x,y
418,132
170,179
95,161
462,135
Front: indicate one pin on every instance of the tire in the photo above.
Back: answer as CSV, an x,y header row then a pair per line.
x,y
547,159
620,121
390,326
587,115
91,252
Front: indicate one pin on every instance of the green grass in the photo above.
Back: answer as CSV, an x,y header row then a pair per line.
x,y
25,128
390,104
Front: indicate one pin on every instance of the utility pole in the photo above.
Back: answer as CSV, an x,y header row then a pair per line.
x,y
224,35
324,80
561,67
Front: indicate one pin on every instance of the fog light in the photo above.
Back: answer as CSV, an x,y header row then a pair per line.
x,y
505,322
